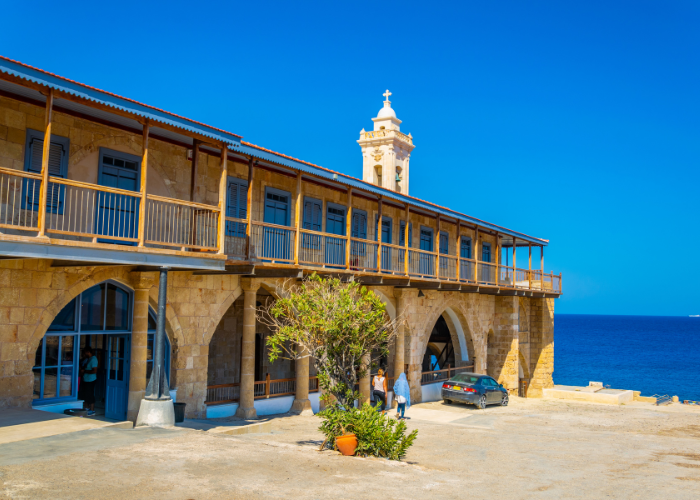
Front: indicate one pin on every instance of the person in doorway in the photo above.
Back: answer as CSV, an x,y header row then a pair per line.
x,y
402,393
379,385
88,373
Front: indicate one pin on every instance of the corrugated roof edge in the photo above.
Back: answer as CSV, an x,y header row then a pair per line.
x,y
36,75
289,161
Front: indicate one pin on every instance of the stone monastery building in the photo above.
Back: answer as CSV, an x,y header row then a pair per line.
x,y
123,195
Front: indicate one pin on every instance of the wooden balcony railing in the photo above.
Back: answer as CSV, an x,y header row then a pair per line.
x,y
101,214
19,199
442,375
421,263
263,389
272,243
181,224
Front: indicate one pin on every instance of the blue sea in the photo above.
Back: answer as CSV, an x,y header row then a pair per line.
x,y
651,354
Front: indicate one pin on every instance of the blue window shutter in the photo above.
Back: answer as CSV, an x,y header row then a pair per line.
x,y
465,251
444,243
58,167
237,206
312,214
359,224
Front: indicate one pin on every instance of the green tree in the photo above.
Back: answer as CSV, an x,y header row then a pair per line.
x,y
340,325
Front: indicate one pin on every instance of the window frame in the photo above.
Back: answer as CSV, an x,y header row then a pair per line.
x,y
336,206
379,229
279,192
432,237
358,211
461,247
484,246
402,232
32,135
76,333
233,229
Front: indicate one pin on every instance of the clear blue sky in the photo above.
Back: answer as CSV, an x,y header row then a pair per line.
x,y
573,121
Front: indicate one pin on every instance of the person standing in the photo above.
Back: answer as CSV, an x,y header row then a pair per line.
x,y
88,371
380,388
402,393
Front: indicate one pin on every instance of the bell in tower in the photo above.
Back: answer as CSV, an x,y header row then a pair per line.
x,y
386,151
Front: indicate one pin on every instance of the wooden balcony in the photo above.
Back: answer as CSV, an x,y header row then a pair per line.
x,y
91,216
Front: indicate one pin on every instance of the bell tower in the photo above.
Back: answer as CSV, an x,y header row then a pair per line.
x,y
386,151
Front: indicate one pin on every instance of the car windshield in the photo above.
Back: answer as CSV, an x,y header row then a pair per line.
x,y
465,378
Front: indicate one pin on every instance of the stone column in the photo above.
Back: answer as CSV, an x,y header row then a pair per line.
x,y
366,381
246,407
506,344
139,345
400,341
541,346
301,404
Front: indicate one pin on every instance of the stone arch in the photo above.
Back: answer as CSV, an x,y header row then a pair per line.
x,y
523,366
462,338
523,316
172,323
390,307
216,318
61,300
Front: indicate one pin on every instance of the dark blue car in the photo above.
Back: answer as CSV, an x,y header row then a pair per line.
x,y
475,389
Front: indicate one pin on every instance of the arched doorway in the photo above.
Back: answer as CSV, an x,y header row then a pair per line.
x,y
100,318
440,352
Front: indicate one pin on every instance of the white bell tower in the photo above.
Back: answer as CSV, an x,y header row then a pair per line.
x,y
386,151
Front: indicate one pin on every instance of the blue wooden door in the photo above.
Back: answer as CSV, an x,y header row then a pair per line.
x,y
236,206
276,241
117,386
358,249
117,215
387,252
335,247
427,262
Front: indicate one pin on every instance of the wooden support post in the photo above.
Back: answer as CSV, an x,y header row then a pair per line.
x,y
44,188
437,249
514,245
348,230
476,254
267,385
379,237
529,265
542,259
144,178
407,243
222,200
458,247
249,211
498,258
297,221
195,170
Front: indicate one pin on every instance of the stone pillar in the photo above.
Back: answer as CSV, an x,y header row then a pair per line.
x,y
415,371
400,341
506,348
541,346
246,406
366,381
301,404
139,347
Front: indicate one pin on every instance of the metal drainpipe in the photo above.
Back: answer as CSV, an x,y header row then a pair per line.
x,y
157,389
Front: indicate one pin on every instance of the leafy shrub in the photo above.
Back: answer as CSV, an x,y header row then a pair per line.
x,y
377,435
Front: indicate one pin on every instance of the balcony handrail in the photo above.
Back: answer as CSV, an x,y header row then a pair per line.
x,y
184,203
20,173
360,240
94,187
237,219
275,226
425,252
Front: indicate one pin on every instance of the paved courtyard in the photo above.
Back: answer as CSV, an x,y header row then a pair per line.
x,y
532,449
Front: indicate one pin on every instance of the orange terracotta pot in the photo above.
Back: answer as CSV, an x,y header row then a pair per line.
x,y
347,444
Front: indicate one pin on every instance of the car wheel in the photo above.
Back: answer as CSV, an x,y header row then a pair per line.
x,y
504,401
482,402
448,401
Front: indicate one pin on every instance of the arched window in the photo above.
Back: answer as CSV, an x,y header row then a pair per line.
x,y
103,310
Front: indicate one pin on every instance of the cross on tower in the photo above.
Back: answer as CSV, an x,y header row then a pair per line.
x,y
386,94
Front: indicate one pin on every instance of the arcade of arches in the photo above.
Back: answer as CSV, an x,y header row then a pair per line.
x,y
214,340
